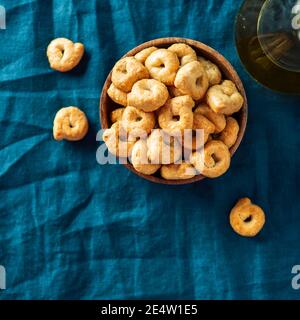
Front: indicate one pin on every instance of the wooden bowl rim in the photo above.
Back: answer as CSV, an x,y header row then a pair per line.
x,y
206,52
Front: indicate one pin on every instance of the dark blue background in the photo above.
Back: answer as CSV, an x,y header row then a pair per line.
x,y
70,228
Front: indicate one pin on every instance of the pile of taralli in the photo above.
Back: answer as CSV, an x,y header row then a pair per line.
x,y
172,90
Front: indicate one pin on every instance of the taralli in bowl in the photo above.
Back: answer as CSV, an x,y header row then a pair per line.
x,y
181,89
64,55
246,218
70,123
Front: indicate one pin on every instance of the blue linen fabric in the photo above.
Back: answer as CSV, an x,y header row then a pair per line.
x,y
72,229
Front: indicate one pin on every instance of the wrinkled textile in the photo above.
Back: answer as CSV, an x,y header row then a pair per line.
x,y
72,229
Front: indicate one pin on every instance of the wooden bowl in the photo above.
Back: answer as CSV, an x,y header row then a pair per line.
x,y
107,105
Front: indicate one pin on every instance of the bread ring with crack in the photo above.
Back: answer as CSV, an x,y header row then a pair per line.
x,y
217,119
176,115
213,160
126,72
148,95
64,55
224,98
144,54
246,218
213,72
70,123
230,133
178,171
140,160
137,122
184,53
192,80
163,65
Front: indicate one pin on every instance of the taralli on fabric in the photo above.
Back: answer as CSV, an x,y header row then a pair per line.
x,y
230,133
179,106
70,123
64,55
214,161
117,141
140,160
117,95
184,53
116,115
192,80
148,95
126,72
247,219
224,98
144,54
178,171
213,72
162,148
217,119
137,122
163,65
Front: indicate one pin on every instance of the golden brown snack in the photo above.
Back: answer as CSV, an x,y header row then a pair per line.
x,y
178,107
230,133
148,95
213,72
116,115
137,122
184,53
126,72
162,148
117,95
163,65
246,218
178,171
117,141
174,92
140,160
217,119
70,123
213,161
192,80
64,55
224,98
144,54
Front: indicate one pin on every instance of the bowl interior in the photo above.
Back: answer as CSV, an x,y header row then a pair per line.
x,y
228,72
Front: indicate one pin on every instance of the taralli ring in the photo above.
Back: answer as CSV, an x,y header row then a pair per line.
x,y
192,80
64,55
126,72
162,148
213,161
163,65
117,141
116,115
224,98
184,53
230,133
144,54
178,171
217,119
148,95
137,122
246,218
140,160
213,72
176,115
117,95
70,123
